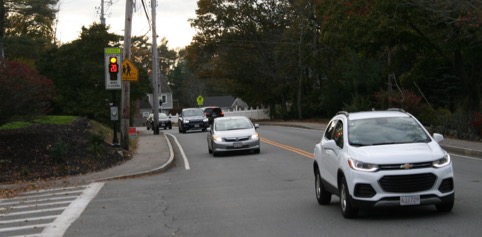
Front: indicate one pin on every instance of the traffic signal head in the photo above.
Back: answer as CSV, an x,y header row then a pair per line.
x,y
113,65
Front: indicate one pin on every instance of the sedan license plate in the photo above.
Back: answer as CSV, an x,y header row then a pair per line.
x,y
237,144
410,200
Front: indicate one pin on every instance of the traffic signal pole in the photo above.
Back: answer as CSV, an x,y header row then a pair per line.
x,y
125,113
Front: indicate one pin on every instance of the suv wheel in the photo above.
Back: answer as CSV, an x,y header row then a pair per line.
x,y
323,196
347,209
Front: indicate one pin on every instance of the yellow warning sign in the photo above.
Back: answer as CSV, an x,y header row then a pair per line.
x,y
129,71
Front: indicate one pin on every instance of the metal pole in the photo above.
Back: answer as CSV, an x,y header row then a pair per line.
x,y
115,140
125,119
155,96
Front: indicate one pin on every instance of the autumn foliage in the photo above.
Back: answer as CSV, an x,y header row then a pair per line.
x,y
25,93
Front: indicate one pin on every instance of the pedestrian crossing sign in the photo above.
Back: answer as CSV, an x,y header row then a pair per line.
x,y
129,71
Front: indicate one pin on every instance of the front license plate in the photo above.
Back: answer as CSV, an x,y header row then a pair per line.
x,y
410,200
196,125
237,144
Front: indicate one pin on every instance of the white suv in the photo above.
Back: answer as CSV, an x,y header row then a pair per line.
x,y
381,158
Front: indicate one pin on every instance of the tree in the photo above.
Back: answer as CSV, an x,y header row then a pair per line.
x,y
32,19
77,69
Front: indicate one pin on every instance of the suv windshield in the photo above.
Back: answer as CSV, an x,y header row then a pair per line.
x,y
382,131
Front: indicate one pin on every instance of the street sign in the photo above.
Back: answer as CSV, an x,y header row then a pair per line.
x,y
129,71
112,62
200,100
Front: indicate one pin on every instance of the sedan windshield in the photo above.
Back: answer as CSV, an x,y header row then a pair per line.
x,y
383,131
193,113
232,124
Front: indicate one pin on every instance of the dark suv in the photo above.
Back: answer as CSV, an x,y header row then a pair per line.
x,y
192,119
212,112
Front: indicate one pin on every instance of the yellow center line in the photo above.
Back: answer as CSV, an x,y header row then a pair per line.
x,y
289,148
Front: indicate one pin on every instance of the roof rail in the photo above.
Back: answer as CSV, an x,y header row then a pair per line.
x,y
342,112
396,109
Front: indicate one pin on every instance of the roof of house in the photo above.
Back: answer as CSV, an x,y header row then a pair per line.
x,y
220,101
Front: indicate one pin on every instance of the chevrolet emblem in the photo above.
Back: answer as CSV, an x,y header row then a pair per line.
x,y
406,166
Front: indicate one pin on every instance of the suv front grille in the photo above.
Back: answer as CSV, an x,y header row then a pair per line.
x,y
402,166
407,183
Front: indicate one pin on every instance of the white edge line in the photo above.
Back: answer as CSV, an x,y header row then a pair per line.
x,y
186,161
465,157
73,211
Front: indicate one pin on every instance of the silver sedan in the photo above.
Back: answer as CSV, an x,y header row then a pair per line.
x,y
232,134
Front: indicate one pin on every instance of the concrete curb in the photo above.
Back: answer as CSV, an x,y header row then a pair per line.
x,y
156,170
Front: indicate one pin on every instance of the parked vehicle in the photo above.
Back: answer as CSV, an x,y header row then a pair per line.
x,y
233,134
192,119
382,158
212,112
164,121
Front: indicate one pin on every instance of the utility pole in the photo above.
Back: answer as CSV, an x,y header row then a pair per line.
x,y
102,18
126,87
155,96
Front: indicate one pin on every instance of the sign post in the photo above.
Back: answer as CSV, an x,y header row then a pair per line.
x,y
113,82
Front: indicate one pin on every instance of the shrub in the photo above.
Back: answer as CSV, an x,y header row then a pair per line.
x,y
25,93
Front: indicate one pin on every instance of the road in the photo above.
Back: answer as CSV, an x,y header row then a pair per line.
x,y
266,194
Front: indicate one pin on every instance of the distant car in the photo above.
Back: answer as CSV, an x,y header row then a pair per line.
x,y
212,112
233,134
192,119
164,121
380,159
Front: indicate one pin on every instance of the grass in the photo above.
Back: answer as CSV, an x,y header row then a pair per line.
x,y
41,120
97,128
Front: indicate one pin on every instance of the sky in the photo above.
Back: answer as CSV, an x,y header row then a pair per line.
x,y
172,19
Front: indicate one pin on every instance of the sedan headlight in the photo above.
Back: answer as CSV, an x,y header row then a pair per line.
x,y
255,136
217,138
444,161
361,166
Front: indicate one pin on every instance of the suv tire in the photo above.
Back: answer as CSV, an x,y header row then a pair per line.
x,y
347,210
322,195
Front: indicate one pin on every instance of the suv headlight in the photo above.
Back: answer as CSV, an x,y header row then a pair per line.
x,y
361,166
444,161
205,120
185,121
